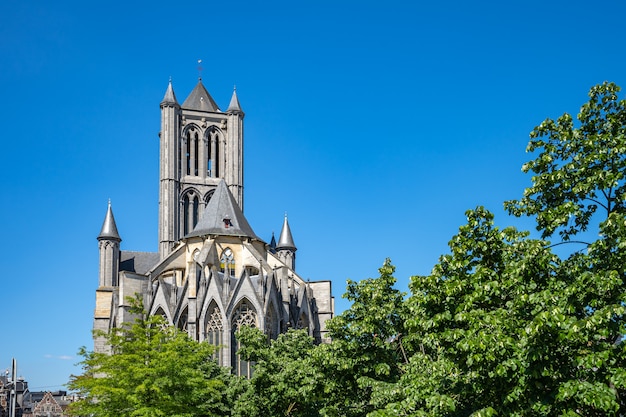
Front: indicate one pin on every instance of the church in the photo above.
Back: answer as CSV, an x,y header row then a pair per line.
x,y
212,274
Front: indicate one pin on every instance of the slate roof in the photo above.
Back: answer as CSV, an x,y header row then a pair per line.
x,y
170,97
273,244
200,99
222,216
138,262
234,106
109,228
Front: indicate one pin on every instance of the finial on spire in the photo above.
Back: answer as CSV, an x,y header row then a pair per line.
x,y
200,70
170,79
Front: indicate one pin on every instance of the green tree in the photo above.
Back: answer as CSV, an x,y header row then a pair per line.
x,y
155,370
579,169
366,348
285,381
504,326
294,377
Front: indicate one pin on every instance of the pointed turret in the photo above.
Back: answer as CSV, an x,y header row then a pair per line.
x,y
169,147
286,249
285,241
234,106
222,216
170,97
200,100
273,244
109,246
109,228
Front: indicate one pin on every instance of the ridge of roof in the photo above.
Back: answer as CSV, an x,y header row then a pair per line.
x,y
222,216
109,228
285,241
200,99
170,97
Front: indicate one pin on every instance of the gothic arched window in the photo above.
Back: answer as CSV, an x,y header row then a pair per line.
x,y
208,196
227,262
186,214
303,322
183,320
188,152
191,211
209,153
195,209
214,328
195,154
213,151
244,316
271,323
161,312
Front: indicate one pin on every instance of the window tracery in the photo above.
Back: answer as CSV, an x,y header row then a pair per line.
x,y
227,262
245,315
214,329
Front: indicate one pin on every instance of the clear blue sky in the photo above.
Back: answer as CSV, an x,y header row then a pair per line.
x,y
375,125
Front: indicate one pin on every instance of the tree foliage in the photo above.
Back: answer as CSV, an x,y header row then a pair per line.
x,y
504,326
284,382
294,377
366,348
155,370
578,169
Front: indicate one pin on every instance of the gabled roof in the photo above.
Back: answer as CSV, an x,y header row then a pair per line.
x,y
47,406
109,229
285,241
222,216
200,99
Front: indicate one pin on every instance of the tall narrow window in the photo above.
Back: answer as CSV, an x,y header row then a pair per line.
x,y
185,215
244,316
196,208
187,153
195,154
216,155
209,154
214,329
183,320
213,150
271,323
181,145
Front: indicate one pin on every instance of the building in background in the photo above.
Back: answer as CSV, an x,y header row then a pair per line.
x,y
212,274
31,403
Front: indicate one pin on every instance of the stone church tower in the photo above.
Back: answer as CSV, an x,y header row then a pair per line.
x,y
212,273
200,145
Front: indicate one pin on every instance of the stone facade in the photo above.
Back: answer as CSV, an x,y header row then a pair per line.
x,y
211,274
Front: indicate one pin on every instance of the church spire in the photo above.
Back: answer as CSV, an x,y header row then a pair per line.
x,y
234,106
170,97
286,249
285,241
109,247
109,228
273,244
